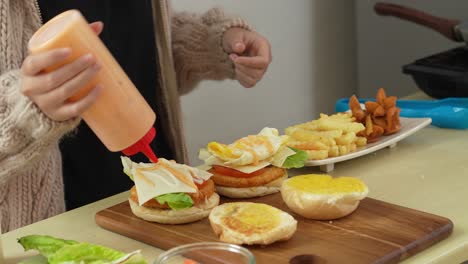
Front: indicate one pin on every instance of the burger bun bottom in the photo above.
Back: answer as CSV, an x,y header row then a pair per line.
x,y
182,216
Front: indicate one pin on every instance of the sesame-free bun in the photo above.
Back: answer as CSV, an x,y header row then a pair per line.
x,y
322,197
251,223
250,192
169,216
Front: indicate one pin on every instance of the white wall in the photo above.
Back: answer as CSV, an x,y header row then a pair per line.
x,y
313,65
385,44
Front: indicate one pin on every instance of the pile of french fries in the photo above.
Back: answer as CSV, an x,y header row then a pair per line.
x,y
328,136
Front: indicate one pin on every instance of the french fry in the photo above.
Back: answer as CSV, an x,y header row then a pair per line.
x,y
345,115
312,125
312,135
346,139
343,150
306,145
334,151
342,117
317,154
327,133
329,124
361,141
300,134
329,141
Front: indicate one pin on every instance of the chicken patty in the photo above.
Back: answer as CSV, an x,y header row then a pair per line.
x,y
205,190
270,174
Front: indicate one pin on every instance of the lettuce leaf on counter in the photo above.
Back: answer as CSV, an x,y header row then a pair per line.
x,y
84,252
46,245
72,252
297,160
176,201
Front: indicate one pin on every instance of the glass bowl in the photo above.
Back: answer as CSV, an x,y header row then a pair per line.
x,y
206,253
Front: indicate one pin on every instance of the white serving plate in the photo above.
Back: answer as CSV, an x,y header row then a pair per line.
x,y
408,127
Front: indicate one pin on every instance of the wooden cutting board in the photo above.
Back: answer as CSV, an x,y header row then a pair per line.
x,y
377,232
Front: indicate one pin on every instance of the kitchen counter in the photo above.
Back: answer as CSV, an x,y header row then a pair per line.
x,y
427,171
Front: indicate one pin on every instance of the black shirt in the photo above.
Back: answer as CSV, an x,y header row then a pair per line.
x,y
91,172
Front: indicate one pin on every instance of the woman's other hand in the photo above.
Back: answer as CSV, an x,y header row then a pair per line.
x,y
250,53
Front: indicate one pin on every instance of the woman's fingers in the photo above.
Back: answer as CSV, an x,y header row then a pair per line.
x,y
257,62
46,82
34,64
74,109
255,74
60,94
245,79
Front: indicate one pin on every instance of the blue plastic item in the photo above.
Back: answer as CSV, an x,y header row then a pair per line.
x,y
446,113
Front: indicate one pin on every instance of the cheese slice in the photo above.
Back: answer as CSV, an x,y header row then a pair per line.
x,y
212,160
152,180
249,168
280,157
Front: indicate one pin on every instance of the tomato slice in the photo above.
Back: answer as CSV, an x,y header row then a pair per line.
x,y
235,173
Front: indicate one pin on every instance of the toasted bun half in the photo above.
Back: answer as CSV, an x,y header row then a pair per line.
x,y
319,197
251,223
250,192
168,216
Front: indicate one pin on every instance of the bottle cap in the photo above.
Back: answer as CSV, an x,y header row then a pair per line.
x,y
143,146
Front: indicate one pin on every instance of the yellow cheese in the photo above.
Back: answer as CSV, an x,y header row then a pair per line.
x,y
325,184
251,218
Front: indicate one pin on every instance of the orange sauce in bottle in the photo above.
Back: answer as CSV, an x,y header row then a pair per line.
x,y
120,117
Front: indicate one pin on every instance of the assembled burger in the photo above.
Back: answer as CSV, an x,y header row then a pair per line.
x,y
251,166
170,193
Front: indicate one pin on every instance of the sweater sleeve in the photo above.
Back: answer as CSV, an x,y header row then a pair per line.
x,y
25,132
197,47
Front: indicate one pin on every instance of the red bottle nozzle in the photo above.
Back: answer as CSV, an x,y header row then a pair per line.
x,y
143,146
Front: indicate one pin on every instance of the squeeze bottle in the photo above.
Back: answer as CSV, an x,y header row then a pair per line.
x,y
120,117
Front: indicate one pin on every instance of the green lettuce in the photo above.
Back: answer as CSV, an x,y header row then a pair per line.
x,y
72,252
46,245
297,160
88,253
176,201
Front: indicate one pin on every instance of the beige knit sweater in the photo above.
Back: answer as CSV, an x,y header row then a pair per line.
x,y
31,186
